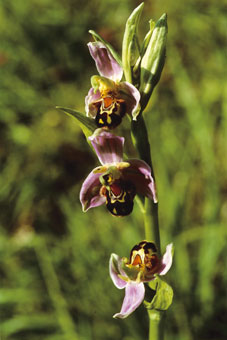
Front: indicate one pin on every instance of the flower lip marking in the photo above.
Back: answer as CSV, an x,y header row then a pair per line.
x,y
116,189
119,196
137,260
144,255
110,111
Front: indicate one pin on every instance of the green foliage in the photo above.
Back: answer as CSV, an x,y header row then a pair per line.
x,y
54,281
87,124
163,297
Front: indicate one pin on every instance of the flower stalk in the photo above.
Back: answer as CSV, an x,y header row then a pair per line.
x,y
151,221
117,181
141,142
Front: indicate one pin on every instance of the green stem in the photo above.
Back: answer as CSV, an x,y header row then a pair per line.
x,y
150,212
156,325
141,142
151,223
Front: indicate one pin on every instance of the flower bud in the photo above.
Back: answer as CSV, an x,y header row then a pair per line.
x,y
136,67
130,46
153,60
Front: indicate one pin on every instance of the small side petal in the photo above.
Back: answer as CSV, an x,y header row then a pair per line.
x,y
131,95
92,97
139,173
114,265
105,62
108,147
167,260
134,295
89,193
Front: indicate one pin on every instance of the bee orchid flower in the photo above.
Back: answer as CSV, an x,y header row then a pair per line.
x,y
109,99
116,182
143,266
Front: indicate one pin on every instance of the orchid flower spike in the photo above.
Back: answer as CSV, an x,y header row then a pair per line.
x,y
116,182
143,266
109,99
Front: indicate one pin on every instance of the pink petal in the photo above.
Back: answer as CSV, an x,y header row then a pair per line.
x,y
139,173
92,97
134,295
114,266
89,193
167,260
105,62
131,95
108,147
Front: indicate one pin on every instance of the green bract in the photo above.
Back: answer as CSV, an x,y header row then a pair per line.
x,y
163,297
87,124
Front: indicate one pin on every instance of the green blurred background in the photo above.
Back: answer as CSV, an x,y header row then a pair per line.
x,y
53,257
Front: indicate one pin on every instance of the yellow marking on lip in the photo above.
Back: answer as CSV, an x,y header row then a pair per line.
x,y
122,200
109,120
109,179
